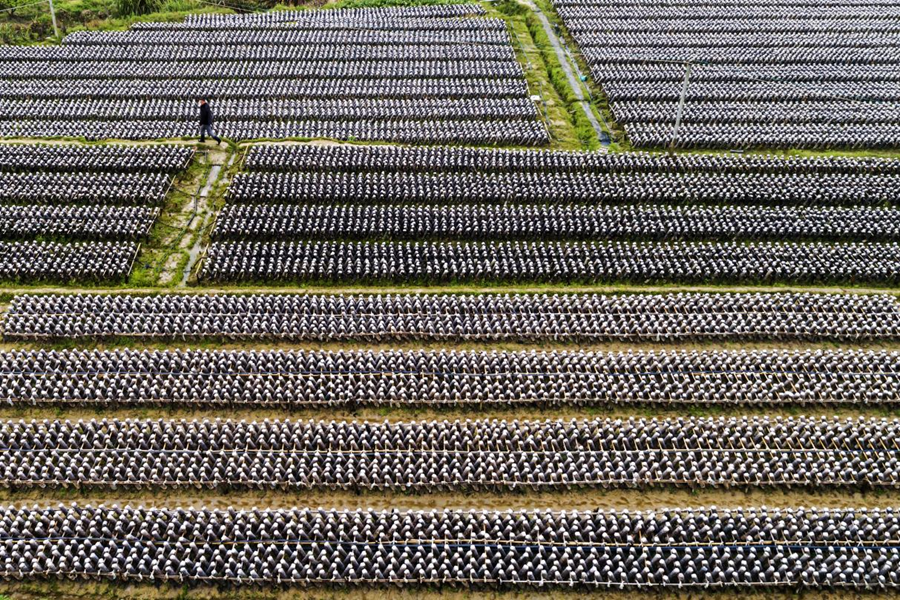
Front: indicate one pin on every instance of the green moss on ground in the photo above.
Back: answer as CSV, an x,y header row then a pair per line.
x,y
554,104
584,131
164,250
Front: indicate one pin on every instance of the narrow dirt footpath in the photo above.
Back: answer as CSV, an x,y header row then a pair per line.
x,y
574,83
201,219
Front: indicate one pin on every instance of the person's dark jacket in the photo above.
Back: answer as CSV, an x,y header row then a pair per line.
x,y
206,117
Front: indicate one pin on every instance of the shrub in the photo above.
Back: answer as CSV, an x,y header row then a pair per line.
x,y
127,8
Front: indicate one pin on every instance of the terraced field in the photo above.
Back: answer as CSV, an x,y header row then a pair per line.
x,y
378,344
765,73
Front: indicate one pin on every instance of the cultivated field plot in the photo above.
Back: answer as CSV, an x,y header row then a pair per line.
x,y
78,213
767,73
373,214
440,455
667,547
555,262
446,378
427,74
457,317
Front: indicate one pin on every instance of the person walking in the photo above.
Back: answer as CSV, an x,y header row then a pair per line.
x,y
206,121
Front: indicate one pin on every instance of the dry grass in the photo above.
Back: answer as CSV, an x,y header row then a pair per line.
x,y
91,590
